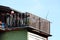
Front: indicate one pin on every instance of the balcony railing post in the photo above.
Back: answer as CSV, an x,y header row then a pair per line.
x,y
39,24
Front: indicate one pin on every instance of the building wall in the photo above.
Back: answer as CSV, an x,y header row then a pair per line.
x,y
14,35
32,36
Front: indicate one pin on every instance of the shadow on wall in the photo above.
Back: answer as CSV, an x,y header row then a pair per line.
x,y
1,36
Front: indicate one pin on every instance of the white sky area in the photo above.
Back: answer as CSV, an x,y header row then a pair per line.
x,y
40,8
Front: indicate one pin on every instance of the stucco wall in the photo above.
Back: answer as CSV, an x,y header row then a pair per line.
x,y
32,36
14,35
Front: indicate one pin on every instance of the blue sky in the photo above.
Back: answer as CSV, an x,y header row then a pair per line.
x,y
40,8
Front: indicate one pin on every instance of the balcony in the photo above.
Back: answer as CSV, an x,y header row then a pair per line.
x,y
14,20
38,24
22,20
11,21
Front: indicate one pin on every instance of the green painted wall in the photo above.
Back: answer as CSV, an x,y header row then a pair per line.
x,y
14,35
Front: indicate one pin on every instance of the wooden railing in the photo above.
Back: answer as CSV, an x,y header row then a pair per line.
x,y
27,19
40,24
